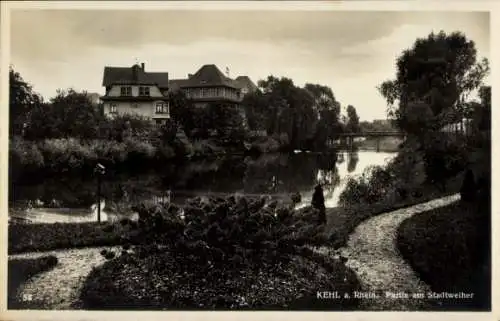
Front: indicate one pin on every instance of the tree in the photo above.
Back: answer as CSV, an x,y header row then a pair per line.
x,y
181,109
22,100
69,114
329,112
439,71
352,120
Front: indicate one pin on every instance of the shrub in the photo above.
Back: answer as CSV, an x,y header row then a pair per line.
x,y
457,235
371,187
205,147
44,237
138,150
109,152
67,154
221,247
24,156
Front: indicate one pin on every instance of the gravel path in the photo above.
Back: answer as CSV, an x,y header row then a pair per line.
x,y
372,252
59,288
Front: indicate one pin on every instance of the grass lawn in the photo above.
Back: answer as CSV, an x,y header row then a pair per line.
x,y
450,248
341,221
20,271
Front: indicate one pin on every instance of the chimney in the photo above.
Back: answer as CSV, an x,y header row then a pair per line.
x,y
135,72
142,66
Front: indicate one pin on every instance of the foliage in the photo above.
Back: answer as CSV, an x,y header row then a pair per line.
x,y
45,237
217,251
204,147
352,120
439,71
444,158
65,155
22,100
458,236
266,145
20,271
370,187
69,114
24,156
308,116
377,125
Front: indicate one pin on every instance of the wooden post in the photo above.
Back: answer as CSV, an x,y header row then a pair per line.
x,y
99,197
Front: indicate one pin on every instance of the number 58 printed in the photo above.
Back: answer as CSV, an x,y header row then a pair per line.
x,y
27,297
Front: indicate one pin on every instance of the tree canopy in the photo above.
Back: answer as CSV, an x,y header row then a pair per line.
x,y
433,81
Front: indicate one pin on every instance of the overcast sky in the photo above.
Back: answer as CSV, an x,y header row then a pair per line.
x,y
352,52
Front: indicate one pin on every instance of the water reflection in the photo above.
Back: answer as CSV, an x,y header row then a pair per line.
x,y
275,174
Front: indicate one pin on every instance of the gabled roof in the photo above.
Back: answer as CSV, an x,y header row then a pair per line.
x,y
209,76
245,81
125,76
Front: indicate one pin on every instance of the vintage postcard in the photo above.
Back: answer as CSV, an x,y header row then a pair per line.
x,y
247,156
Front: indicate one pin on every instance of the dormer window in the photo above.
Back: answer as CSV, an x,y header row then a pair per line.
x,y
144,91
126,91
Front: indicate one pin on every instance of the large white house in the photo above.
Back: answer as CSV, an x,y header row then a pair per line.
x,y
132,90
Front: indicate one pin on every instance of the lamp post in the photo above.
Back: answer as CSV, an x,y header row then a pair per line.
x,y
99,170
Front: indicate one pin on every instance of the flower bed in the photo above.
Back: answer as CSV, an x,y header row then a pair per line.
x,y
225,254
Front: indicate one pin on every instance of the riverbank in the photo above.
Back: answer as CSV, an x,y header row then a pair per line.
x,y
75,155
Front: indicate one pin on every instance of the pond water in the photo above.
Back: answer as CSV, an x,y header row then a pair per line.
x,y
66,199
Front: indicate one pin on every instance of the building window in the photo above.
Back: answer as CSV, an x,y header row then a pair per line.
x,y
126,91
162,108
143,91
113,109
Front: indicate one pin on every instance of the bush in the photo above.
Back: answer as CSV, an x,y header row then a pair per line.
x,y
20,271
206,147
223,250
369,188
450,249
67,154
24,156
139,151
109,152
44,237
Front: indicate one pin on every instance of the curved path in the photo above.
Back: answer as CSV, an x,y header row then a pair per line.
x,y
372,253
59,288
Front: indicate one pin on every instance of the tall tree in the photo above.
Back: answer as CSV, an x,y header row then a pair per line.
x,y
352,119
437,75
181,109
328,109
69,114
22,100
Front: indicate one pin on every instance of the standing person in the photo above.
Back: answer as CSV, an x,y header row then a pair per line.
x,y
318,202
